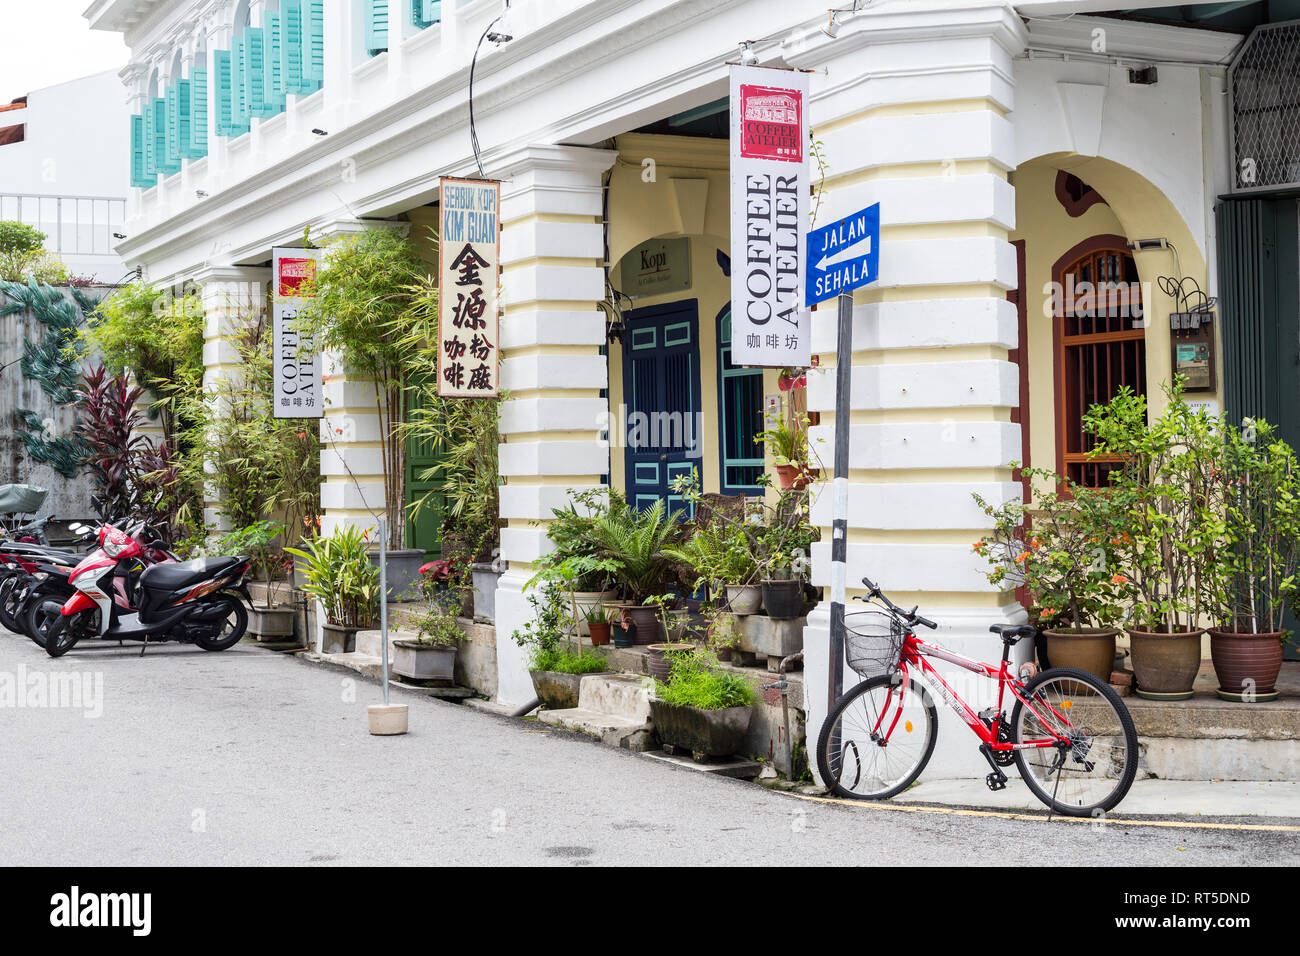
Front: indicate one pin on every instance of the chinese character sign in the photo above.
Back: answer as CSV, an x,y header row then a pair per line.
x,y
769,216
469,261
297,363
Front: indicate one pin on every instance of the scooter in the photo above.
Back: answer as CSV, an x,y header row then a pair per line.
x,y
200,602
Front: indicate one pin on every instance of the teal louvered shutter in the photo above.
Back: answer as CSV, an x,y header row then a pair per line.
x,y
146,131
376,26
183,106
198,113
291,54
138,178
165,165
426,12
274,69
313,51
171,132
255,71
223,93
238,87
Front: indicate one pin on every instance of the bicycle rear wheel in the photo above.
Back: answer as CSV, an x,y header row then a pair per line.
x,y
1094,771
869,749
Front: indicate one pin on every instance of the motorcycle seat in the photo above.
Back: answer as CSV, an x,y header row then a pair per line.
x,y
179,574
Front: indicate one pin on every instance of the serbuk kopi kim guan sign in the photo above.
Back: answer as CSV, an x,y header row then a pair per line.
x,y
297,362
469,264
769,216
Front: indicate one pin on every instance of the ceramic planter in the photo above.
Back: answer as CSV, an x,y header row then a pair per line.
x,y
623,636
337,639
705,733
599,631
424,661
1088,648
1164,665
656,658
402,571
556,691
585,601
269,623
649,625
744,598
783,600
485,591
1247,665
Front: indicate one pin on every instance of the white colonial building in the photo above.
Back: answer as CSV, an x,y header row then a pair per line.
x,y
1011,145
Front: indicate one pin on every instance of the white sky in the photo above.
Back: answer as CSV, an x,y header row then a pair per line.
x,y
44,42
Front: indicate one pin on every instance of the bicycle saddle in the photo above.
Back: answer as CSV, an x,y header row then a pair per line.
x,y
1011,633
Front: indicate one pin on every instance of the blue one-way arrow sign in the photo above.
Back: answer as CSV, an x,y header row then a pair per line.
x,y
843,255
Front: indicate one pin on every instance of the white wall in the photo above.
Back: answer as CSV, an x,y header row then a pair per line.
x,y
77,144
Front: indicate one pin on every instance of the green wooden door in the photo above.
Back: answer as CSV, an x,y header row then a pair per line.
x,y
424,529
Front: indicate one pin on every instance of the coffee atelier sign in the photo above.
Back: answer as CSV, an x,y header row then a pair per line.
x,y
469,264
297,362
769,217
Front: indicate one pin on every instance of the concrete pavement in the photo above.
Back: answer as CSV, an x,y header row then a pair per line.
x,y
247,757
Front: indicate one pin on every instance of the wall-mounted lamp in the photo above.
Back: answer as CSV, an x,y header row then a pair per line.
x,y
119,235
499,38
319,132
747,55
200,194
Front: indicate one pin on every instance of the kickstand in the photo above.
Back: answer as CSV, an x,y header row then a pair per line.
x,y
145,646
1060,762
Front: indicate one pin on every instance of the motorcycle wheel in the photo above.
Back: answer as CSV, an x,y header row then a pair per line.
x,y
11,595
60,633
231,630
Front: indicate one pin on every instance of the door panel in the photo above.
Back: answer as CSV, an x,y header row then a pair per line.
x,y
425,529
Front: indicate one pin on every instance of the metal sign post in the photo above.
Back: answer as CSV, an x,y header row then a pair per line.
x,y
383,599
840,503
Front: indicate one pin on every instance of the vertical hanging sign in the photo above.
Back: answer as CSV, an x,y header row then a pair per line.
x,y
769,216
297,362
469,263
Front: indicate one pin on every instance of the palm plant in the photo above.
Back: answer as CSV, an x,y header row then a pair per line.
x,y
637,542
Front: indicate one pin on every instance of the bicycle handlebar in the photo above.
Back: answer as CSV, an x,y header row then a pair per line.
x,y
911,616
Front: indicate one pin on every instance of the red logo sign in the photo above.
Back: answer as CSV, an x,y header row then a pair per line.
x,y
293,274
770,123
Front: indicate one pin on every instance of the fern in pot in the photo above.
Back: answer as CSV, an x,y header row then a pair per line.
x,y
1253,578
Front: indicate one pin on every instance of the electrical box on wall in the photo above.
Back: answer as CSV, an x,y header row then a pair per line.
x,y
1191,343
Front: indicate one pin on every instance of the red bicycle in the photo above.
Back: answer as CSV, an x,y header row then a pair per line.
x,y
1069,734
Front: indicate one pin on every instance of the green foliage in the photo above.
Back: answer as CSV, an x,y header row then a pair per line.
x,y
21,247
573,560
549,625
1067,558
341,576
636,543
695,681
562,661
787,445
720,554
1255,515
436,627
1165,478
258,541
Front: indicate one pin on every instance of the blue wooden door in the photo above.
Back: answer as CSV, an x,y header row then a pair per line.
x,y
661,385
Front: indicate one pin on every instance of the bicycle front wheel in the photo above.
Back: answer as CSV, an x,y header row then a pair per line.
x,y
870,747
1093,765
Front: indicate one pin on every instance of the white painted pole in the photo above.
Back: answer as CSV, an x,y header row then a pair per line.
x,y
840,503
383,599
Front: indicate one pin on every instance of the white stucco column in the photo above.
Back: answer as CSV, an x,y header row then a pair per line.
x,y
912,109
231,296
552,249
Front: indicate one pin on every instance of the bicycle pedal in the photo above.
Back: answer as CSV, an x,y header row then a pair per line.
x,y
996,781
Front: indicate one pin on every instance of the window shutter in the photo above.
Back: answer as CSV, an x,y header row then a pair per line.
x,y
376,26
222,98
138,178
274,42
183,119
165,165
430,11
198,113
291,64
239,84
146,130
313,51
171,131
255,72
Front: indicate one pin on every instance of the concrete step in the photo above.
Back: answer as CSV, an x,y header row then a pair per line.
x,y
627,733
617,695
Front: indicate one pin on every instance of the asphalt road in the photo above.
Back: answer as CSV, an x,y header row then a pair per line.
x,y
247,757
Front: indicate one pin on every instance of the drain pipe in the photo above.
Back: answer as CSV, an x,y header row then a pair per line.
x,y
782,683
527,709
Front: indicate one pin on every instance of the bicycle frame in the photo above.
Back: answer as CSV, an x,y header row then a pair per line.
x,y
914,655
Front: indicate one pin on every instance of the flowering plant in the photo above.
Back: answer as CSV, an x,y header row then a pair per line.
x,y
1062,550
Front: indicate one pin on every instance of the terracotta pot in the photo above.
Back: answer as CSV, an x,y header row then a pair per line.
x,y
599,631
1089,648
649,626
794,477
656,658
744,598
585,601
1247,664
1165,665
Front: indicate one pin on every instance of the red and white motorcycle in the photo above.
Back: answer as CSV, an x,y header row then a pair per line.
x,y
199,602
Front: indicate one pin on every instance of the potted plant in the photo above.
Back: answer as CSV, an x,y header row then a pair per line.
x,y
659,654
700,708
1164,478
1253,577
783,546
589,578
636,544
340,575
432,654
258,541
788,445
722,551
555,666
598,624
1066,558
721,631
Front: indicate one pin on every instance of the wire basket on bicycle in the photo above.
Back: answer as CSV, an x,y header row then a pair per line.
x,y
873,642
